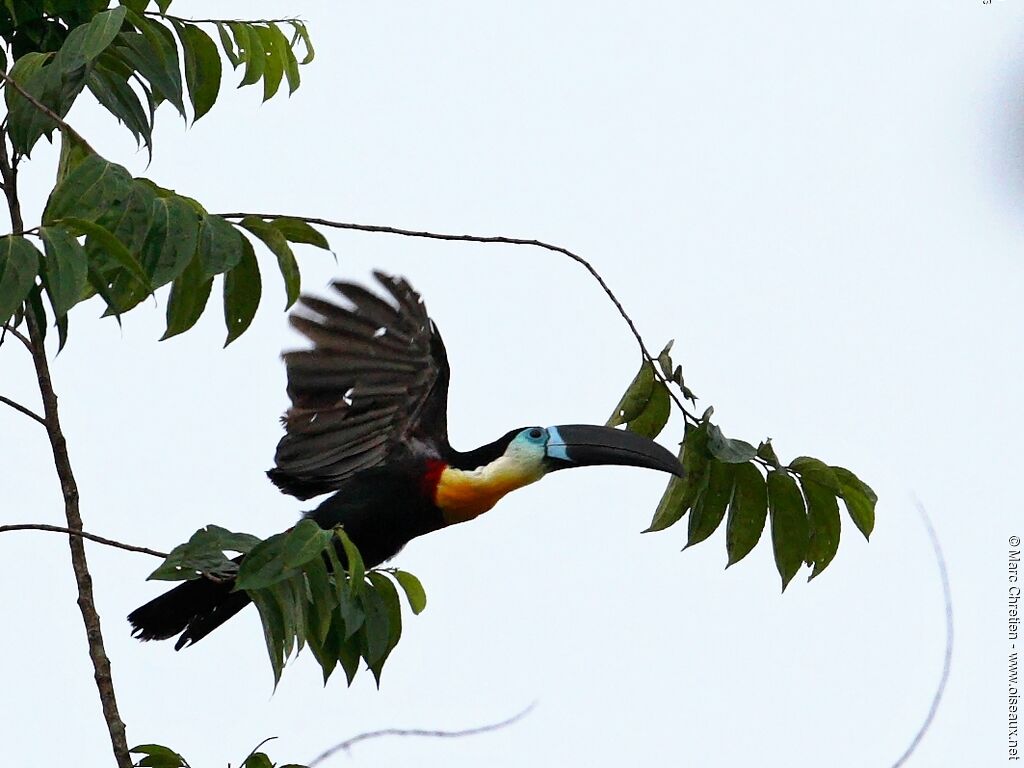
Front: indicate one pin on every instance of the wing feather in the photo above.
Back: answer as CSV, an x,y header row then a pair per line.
x,y
375,376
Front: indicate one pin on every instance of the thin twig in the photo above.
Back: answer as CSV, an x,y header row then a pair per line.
x,y
19,407
83,534
159,15
8,328
46,111
947,597
500,240
346,745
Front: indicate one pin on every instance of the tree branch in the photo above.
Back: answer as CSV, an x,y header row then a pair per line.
x,y
69,489
83,534
7,328
499,240
46,111
18,407
346,745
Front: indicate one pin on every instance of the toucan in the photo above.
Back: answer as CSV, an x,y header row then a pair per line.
x,y
368,424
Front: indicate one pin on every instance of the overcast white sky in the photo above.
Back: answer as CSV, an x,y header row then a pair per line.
x,y
822,203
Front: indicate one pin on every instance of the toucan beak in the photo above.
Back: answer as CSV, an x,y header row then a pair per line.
x,y
580,445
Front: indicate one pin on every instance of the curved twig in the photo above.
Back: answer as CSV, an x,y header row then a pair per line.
x,y
346,745
21,408
499,240
947,597
82,534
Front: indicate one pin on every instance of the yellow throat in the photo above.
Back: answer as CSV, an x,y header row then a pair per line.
x,y
462,495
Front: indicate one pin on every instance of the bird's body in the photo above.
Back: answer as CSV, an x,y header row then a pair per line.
x,y
368,424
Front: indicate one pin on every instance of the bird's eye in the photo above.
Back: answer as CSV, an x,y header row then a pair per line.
x,y
536,434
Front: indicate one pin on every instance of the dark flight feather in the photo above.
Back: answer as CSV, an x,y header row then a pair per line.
x,y
376,375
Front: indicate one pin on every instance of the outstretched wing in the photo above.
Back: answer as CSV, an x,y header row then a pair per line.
x,y
377,375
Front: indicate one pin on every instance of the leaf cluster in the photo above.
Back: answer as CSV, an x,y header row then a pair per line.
x,y
730,480
132,61
106,233
158,756
311,588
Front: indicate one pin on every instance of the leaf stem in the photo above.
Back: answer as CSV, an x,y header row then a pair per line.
x,y
499,239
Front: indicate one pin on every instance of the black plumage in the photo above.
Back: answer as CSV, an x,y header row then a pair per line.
x,y
369,412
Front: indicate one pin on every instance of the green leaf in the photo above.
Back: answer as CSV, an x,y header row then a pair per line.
x,y
257,760
264,565
227,45
322,601
154,54
414,591
349,609
19,265
93,188
242,291
220,245
157,756
682,492
354,561
393,608
27,123
655,414
303,33
636,397
665,360
767,453
729,451
291,64
789,524
111,246
343,650
114,93
202,67
377,629
747,513
298,231
304,542
65,268
172,240
860,500
274,630
278,245
87,41
250,51
709,509
274,59
101,285
816,470
203,553
823,519
189,293
34,304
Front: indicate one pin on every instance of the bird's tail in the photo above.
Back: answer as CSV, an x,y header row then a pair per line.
x,y
194,608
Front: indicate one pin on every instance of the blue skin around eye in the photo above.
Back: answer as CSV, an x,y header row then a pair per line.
x,y
556,445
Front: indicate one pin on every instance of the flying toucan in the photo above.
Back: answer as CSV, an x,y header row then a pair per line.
x,y
368,424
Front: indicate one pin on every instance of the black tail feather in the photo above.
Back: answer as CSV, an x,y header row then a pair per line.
x,y
194,608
